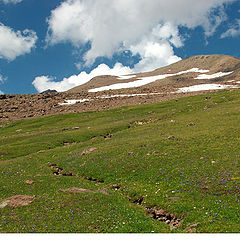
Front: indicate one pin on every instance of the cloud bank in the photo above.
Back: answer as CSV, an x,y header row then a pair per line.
x,y
150,29
14,44
45,82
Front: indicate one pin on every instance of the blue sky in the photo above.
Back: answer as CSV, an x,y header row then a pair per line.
x,y
60,44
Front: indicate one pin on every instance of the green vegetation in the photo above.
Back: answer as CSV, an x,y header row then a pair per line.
x,y
181,156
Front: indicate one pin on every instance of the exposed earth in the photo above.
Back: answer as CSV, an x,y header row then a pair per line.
x,y
210,72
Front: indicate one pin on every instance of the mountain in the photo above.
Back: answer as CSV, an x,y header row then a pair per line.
x,y
219,69
191,76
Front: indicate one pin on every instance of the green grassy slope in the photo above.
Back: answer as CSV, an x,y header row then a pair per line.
x,y
186,149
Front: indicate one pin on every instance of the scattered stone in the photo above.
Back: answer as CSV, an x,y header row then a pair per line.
x,y
191,124
162,216
130,153
30,182
85,152
17,201
52,164
138,201
108,136
191,228
171,137
172,121
160,212
69,174
75,128
94,179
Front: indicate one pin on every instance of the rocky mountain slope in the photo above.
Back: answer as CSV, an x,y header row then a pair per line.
x,y
191,76
212,64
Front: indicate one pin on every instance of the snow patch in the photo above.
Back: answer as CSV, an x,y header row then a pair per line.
x,y
215,75
123,77
144,80
73,101
204,87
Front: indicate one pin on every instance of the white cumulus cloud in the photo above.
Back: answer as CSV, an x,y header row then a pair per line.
x,y
12,1
233,31
112,24
15,43
43,83
147,28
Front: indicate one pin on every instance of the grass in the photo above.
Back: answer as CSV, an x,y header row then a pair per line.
x,y
187,148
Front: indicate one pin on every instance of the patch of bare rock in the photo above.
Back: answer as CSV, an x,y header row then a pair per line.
x,y
163,216
17,201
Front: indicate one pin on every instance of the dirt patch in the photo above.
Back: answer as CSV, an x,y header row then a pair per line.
x,y
29,182
17,201
86,152
83,190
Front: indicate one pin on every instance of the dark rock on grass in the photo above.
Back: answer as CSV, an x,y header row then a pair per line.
x,y
138,201
108,136
115,186
17,201
94,179
69,174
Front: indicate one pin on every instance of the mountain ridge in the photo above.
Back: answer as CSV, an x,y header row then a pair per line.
x,y
213,63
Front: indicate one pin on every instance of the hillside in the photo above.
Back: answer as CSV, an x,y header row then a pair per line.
x,y
165,167
191,76
212,63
